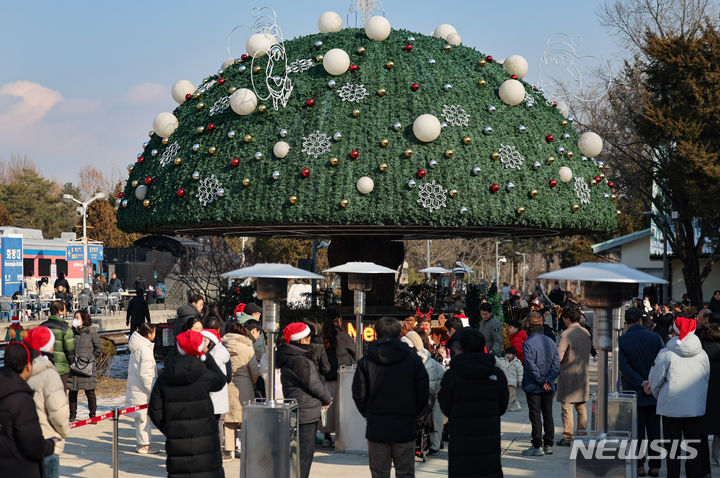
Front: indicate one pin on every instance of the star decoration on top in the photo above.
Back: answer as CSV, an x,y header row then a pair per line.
x,y
299,66
582,190
455,115
352,93
316,144
510,157
209,190
169,154
432,196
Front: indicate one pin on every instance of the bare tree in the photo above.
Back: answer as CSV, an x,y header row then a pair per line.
x,y
93,181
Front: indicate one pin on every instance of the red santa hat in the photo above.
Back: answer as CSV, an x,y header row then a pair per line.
x,y
192,343
295,332
239,309
41,339
684,326
212,334
15,320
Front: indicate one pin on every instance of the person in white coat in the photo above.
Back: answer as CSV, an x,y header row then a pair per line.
x,y
221,355
679,380
513,369
141,378
435,372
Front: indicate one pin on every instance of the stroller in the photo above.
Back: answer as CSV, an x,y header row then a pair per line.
x,y
423,428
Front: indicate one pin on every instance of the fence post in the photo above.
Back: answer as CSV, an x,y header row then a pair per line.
x,y
116,437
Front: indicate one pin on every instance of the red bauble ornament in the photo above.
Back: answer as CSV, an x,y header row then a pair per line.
x,y
243,57
514,77
611,184
354,154
148,180
120,194
549,138
597,179
141,159
494,188
414,87
554,103
235,162
188,96
305,172
353,67
489,59
180,193
421,173
221,81
408,47
211,127
310,102
534,88
553,183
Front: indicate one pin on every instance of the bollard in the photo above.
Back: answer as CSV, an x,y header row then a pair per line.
x,y
116,437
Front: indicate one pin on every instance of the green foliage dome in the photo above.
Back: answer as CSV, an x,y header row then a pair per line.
x,y
491,170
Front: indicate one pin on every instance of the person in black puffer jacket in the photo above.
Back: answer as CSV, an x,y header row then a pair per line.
x,y
22,447
391,388
474,395
188,311
181,408
301,381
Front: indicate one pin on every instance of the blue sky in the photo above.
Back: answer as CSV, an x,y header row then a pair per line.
x,y
81,81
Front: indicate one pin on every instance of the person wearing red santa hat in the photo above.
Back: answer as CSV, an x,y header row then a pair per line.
x,y
301,381
181,408
679,380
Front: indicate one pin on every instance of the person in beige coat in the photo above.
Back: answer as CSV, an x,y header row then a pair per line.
x,y
245,373
51,403
573,389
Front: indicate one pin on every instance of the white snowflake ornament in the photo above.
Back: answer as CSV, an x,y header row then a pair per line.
x,y
169,154
316,144
299,66
432,196
220,106
209,190
510,157
455,115
582,190
352,93
203,88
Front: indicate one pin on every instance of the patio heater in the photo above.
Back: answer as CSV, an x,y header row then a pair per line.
x,y
607,286
270,427
360,281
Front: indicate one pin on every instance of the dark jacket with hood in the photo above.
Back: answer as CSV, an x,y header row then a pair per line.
x,y
181,408
390,388
711,420
318,356
453,343
301,381
473,395
22,446
637,349
87,347
64,351
342,352
184,312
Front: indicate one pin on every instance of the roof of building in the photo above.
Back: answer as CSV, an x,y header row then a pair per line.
x,y
619,241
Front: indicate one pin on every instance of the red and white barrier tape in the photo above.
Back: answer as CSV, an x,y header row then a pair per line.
x,y
106,416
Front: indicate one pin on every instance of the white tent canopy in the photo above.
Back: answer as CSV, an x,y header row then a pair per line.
x,y
604,272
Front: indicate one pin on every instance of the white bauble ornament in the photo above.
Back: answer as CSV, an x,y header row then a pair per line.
x,y
165,124
516,65
365,185
259,44
512,92
336,61
227,63
427,128
590,144
140,192
330,22
181,89
563,108
281,149
442,31
377,28
243,101
454,39
565,174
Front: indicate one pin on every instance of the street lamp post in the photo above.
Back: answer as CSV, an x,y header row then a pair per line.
x,y
497,261
68,198
523,270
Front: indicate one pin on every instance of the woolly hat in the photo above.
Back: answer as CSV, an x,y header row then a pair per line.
x,y
212,334
295,332
40,339
192,343
684,326
415,339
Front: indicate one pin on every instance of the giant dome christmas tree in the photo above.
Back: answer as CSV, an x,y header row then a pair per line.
x,y
365,132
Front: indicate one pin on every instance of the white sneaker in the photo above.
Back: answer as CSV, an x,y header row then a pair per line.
x,y
515,407
147,450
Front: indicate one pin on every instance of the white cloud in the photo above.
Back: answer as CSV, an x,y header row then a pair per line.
x,y
35,102
147,93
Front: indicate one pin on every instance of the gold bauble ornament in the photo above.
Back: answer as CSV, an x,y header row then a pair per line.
x,y
482,83
116,208
212,150
257,69
134,183
383,167
453,193
467,140
246,182
602,175
151,133
146,203
293,199
130,168
344,203
592,182
361,50
334,161
495,156
551,159
384,142
200,129
449,153
262,108
564,123
196,95
575,208
533,193
200,106
408,153
569,154
447,48
482,63
520,210
248,138
356,113
390,65
177,161
164,141
381,92
232,90
613,196
319,58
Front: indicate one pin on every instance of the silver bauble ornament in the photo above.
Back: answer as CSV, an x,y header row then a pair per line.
x,y
431,61
220,192
522,129
488,130
447,87
432,163
195,147
124,203
537,165
276,175
283,133
561,150
337,136
510,187
411,183
258,155
492,109
231,134
318,44
196,175
397,126
242,68
331,84
477,170
463,210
